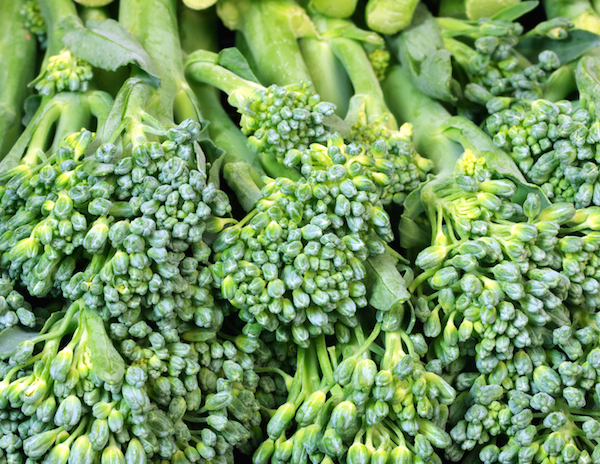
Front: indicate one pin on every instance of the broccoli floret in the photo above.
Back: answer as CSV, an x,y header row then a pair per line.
x,y
276,119
553,144
296,259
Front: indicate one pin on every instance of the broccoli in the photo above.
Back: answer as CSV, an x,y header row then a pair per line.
x,y
277,119
489,71
553,143
366,398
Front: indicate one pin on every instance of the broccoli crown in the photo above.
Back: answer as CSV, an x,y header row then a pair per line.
x,y
64,72
554,146
297,259
136,223
281,118
191,395
500,276
540,405
497,72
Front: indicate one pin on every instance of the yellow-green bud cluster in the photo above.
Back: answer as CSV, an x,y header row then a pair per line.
x,y
64,72
380,60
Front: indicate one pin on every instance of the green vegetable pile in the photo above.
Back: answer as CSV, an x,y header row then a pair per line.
x,y
306,232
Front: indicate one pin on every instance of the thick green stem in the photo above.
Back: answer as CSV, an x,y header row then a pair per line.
x,y
75,115
335,8
154,24
364,81
237,88
327,73
271,33
409,104
39,139
580,12
17,55
389,16
56,12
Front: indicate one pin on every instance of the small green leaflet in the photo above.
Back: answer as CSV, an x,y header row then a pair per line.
x,y
106,361
386,286
516,11
107,45
232,59
11,337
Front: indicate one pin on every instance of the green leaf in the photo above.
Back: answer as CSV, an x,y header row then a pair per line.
x,y
574,46
587,77
11,337
53,319
386,286
105,359
108,45
421,51
214,173
232,59
516,11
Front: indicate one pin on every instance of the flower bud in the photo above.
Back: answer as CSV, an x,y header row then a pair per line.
x,y
282,417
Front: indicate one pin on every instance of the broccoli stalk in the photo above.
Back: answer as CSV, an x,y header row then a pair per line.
x,y
473,9
580,12
327,73
346,42
366,398
17,70
63,113
271,29
334,8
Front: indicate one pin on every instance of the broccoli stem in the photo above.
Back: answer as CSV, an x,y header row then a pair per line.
x,y
365,82
237,88
408,104
154,24
580,12
268,27
17,55
452,9
389,16
242,169
327,73
57,14
473,9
